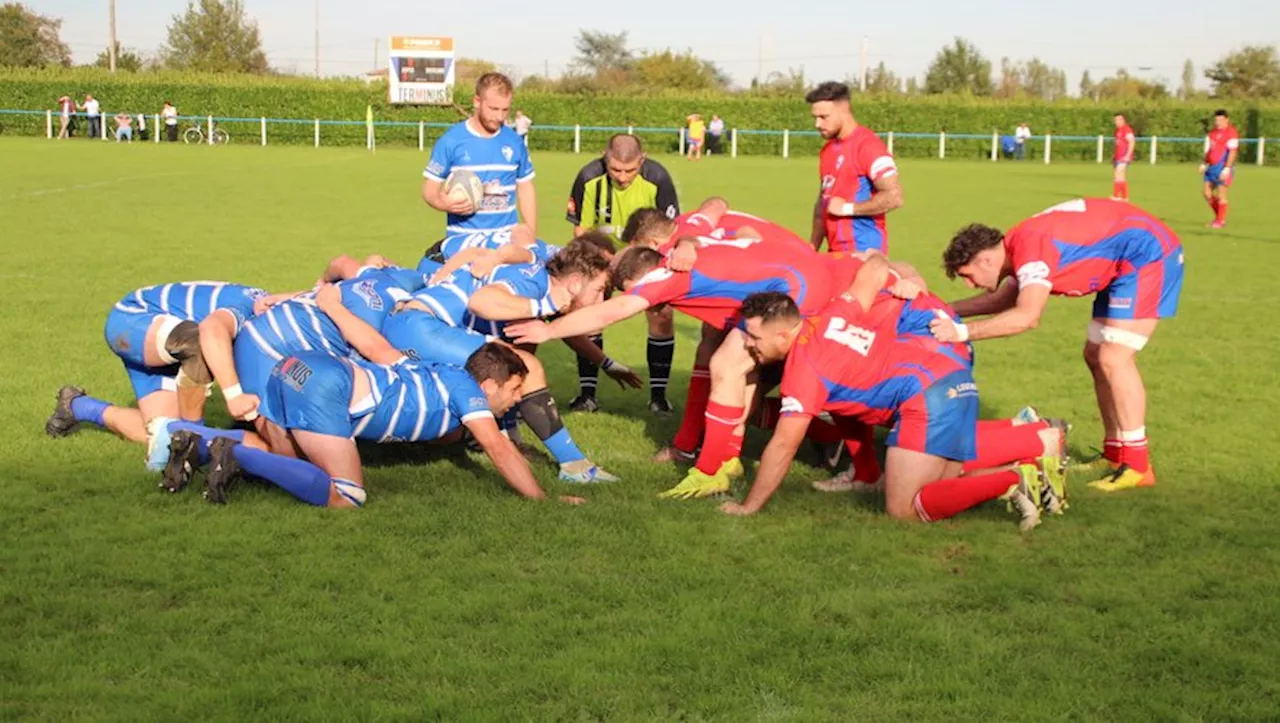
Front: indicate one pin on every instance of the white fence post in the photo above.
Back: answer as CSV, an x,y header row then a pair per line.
x,y
733,143
102,125
210,127
1262,150
631,130
995,143
682,141
317,133
1100,149
890,143
48,124
1048,147
577,138
156,125
264,131
1155,141
421,135
942,144
786,143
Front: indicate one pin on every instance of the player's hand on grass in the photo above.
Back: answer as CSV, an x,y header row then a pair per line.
x,y
835,207
945,329
328,296
905,289
244,407
735,509
621,374
683,256
533,331
570,500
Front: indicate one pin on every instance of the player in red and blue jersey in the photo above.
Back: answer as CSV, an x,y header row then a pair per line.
x,y
1223,147
849,361
484,145
1121,159
1127,258
155,331
858,175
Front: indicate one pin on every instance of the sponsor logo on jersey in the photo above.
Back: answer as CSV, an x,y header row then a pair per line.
x,y
791,405
434,168
368,292
828,182
1120,302
507,153
963,389
478,403
671,211
295,373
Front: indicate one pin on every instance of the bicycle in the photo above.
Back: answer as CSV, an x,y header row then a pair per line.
x,y
195,134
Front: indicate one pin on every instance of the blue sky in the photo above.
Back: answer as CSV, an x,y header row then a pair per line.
x,y
1100,35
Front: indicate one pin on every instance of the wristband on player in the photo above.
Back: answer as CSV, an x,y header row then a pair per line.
x,y
610,365
846,210
232,392
962,331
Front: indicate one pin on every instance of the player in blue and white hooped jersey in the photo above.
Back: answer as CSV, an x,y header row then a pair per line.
x,y
154,331
322,405
446,323
484,145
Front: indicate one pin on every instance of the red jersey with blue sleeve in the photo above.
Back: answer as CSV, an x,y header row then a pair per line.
x,y
731,223
1097,245
1221,142
1124,144
851,363
727,271
849,168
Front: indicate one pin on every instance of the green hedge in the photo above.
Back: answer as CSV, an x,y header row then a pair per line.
x,y
302,98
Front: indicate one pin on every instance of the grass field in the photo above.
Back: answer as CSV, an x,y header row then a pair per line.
x,y
449,597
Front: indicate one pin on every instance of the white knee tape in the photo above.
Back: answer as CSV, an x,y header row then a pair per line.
x,y
1100,333
162,338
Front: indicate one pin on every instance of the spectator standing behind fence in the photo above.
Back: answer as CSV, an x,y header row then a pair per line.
x,y
65,108
522,125
170,115
93,111
715,130
124,127
695,137
1020,138
142,126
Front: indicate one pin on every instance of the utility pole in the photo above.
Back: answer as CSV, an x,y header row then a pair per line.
x,y
546,69
863,75
111,50
317,39
376,42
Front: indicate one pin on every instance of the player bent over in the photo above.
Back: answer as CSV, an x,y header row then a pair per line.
x,y
850,362
322,405
1133,264
154,331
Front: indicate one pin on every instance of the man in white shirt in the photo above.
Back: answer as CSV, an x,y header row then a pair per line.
x,y
715,130
170,116
93,111
1020,137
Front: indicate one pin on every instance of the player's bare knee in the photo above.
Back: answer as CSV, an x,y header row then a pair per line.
x,y
183,345
901,510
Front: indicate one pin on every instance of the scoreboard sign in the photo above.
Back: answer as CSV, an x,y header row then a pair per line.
x,y
420,70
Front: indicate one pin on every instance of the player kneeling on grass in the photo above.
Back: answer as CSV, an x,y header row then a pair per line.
x,y
321,405
445,323
850,362
1124,255
155,331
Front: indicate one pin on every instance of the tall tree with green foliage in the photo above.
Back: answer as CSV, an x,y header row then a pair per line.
x,y
29,39
883,81
1087,87
681,71
215,36
600,52
1187,90
1250,72
1123,86
126,60
959,68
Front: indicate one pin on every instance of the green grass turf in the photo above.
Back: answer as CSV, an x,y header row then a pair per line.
x,y
449,597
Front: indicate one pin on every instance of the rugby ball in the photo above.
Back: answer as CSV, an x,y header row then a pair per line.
x,y
464,184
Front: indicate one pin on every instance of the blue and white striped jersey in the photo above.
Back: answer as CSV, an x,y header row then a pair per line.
x,y
192,300
374,293
413,402
501,161
541,250
448,301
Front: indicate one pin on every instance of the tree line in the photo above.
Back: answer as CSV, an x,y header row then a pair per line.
x,y
218,36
